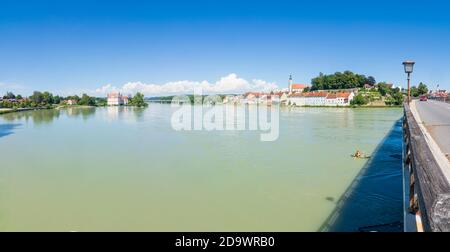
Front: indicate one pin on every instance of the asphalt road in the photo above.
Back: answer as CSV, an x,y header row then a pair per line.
x,y
436,118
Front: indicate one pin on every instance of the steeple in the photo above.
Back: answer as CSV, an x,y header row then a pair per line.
x,y
290,83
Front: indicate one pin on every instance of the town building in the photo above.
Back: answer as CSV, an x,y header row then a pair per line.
x,y
439,94
282,97
116,99
252,98
269,99
369,86
71,102
296,88
320,99
296,100
344,99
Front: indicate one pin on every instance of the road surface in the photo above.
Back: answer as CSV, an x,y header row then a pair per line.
x,y
436,118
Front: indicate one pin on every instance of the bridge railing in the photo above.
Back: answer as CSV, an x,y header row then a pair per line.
x,y
429,190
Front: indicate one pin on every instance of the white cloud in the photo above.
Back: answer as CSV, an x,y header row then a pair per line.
x,y
227,84
104,89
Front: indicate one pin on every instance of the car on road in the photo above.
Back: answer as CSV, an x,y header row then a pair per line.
x,y
423,98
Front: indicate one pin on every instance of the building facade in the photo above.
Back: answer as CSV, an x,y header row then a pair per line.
x,y
116,99
295,88
320,99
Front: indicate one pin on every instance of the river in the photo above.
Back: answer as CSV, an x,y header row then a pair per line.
x,y
126,169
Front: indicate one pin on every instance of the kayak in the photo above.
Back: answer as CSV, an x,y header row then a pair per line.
x,y
362,157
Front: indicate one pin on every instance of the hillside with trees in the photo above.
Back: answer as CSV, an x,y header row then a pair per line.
x,y
377,94
340,80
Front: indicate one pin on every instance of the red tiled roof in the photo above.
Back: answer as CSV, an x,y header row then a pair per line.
x,y
279,93
440,94
114,95
117,95
343,95
298,86
315,94
253,93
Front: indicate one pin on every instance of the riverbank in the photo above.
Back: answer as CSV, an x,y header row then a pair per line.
x,y
76,106
350,106
10,110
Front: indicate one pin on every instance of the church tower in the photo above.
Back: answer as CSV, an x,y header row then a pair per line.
x,y
290,83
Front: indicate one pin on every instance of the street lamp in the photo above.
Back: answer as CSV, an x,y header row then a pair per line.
x,y
409,65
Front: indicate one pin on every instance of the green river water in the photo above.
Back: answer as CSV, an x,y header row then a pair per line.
x,y
126,169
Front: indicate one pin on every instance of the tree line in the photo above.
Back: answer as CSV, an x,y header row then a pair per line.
x,y
421,89
46,100
341,80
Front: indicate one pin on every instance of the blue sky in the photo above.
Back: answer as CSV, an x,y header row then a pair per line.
x,y
79,46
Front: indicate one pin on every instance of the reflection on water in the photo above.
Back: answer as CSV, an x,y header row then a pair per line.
x,y
124,112
123,168
84,112
46,116
38,117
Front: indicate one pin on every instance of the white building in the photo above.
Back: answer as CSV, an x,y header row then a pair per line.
x,y
344,99
282,98
251,98
116,99
71,102
320,99
295,88
296,100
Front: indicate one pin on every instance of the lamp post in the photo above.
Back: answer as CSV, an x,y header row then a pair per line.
x,y
409,65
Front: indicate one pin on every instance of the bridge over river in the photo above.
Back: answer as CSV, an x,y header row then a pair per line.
x,y
426,149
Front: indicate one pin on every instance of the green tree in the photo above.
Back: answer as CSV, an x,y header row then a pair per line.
x,y
138,100
422,89
57,99
383,88
47,98
73,97
338,80
26,103
9,95
397,98
100,101
371,80
19,97
37,97
359,100
86,100
414,91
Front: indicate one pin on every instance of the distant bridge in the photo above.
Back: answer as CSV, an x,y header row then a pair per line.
x,y
426,128
159,101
